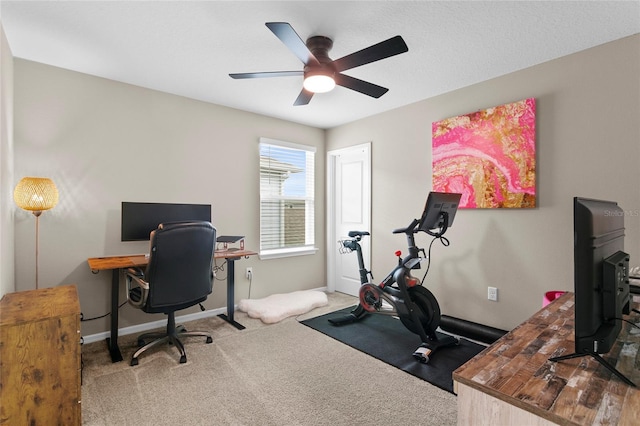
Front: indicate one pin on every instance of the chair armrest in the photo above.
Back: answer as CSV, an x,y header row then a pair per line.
x,y
137,287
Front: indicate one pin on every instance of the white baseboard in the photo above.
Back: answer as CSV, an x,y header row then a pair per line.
x,y
141,328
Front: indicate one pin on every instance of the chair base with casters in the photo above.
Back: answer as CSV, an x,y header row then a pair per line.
x,y
171,336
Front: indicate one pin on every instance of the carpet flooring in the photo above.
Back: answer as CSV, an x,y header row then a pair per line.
x,y
387,339
282,374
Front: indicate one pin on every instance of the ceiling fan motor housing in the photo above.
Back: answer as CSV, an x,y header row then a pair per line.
x,y
319,46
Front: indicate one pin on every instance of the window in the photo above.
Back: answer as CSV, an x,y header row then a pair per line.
x,y
286,199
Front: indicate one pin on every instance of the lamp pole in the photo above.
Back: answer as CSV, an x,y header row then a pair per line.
x,y
37,214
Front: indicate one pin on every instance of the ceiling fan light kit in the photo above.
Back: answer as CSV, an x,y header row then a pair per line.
x,y
318,82
321,73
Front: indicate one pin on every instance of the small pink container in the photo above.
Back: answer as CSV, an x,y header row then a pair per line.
x,y
550,296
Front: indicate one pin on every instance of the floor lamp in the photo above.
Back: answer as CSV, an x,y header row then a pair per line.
x,y
36,194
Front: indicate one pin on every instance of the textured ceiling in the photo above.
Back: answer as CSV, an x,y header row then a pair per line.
x,y
188,48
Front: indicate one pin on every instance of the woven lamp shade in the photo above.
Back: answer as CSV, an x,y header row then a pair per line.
x,y
36,194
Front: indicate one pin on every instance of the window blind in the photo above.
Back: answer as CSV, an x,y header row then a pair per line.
x,y
286,196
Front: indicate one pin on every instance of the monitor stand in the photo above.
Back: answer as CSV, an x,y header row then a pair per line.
x,y
598,358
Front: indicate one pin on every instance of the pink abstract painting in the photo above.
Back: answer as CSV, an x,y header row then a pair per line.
x,y
488,156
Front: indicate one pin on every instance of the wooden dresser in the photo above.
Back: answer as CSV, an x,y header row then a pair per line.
x,y
513,382
40,357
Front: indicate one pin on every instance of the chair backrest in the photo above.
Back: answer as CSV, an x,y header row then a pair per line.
x,y
179,272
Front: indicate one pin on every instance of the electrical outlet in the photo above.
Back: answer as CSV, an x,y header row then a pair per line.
x,y
492,293
248,273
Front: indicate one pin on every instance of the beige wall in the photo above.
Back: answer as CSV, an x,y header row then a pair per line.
x,y
104,142
7,282
588,144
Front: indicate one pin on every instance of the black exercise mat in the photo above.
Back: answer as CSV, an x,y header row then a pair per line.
x,y
386,338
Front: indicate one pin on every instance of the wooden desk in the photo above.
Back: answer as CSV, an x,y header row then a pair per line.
x,y
119,263
512,381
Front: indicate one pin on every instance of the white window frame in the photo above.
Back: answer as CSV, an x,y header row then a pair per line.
x,y
309,198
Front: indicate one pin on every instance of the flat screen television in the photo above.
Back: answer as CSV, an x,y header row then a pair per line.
x,y
139,219
439,212
601,278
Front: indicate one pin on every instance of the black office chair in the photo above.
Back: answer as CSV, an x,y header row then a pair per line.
x,y
178,275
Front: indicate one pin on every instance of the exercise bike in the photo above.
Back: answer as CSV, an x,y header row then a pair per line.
x,y
400,293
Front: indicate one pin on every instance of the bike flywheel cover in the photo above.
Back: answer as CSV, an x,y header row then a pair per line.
x,y
370,297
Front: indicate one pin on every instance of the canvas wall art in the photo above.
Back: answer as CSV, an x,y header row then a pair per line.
x,y
488,156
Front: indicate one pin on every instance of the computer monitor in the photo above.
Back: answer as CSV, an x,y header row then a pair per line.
x,y
601,274
139,219
601,278
439,211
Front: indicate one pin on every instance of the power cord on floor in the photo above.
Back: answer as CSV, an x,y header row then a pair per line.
x,y
82,318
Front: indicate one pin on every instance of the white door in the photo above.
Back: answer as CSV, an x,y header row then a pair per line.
x,y
349,209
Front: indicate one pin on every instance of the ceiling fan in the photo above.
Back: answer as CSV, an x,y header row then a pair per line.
x,y
321,73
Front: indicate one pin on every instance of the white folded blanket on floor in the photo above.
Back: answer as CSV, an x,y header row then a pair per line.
x,y
277,307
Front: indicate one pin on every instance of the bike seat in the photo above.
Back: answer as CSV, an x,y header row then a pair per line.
x,y
358,233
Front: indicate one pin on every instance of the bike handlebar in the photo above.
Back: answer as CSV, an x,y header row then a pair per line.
x,y
414,252
411,229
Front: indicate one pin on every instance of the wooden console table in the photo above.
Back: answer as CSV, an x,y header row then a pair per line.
x,y
118,263
40,353
513,382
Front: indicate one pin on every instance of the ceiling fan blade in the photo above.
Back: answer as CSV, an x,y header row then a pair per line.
x,y
303,98
384,49
361,86
267,74
292,40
